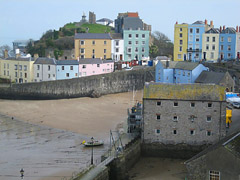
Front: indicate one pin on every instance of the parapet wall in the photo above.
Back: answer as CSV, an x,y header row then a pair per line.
x,y
117,82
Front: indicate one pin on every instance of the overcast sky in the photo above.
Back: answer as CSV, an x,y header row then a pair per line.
x,y
25,19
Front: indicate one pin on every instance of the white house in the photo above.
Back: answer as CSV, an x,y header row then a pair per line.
x,y
44,69
117,47
105,22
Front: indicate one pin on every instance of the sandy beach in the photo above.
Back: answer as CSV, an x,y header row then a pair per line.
x,y
86,116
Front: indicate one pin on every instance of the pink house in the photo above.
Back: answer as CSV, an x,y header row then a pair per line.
x,y
89,67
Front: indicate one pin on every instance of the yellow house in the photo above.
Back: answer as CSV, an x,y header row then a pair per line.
x,y
19,70
91,45
210,44
180,41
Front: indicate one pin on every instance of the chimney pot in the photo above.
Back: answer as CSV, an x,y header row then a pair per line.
x,y
239,29
220,29
205,22
236,28
211,23
224,27
176,22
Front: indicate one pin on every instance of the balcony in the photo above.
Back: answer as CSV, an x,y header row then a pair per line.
x,y
194,50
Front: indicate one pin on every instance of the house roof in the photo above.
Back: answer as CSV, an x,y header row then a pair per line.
x,y
92,36
45,60
20,59
67,62
200,92
105,20
180,65
94,61
116,36
133,23
213,31
229,30
162,58
198,22
210,77
230,143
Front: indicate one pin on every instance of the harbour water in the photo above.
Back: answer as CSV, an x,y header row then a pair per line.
x,y
42,152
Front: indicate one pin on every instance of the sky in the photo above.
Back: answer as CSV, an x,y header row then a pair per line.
x,y
29,19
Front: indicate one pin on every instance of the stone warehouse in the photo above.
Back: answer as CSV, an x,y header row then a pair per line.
x,y
182,118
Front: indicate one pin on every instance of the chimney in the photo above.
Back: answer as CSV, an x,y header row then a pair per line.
x,y
35,56
220,29
205,22
239,29
224,27
176,22
211,24
236,28
5,53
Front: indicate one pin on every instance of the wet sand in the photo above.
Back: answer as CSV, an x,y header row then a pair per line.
x,y
86,116
158,169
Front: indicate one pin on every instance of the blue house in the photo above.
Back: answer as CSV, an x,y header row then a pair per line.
x,y
67,69
227,44
195,32
178,72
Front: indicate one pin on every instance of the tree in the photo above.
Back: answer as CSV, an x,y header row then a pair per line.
x,y
153,51
163,43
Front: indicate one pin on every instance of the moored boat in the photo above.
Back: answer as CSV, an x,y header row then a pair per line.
x,y
93,143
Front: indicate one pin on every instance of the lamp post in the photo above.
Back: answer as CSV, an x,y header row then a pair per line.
x,y
92,151
22,173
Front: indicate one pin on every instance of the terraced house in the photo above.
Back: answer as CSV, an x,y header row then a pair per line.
x,y
19,69
90,45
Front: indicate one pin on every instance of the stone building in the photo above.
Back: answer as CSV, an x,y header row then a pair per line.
x,y
219,161
92,18
182,119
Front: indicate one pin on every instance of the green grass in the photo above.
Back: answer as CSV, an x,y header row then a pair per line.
x,y
70,26
93,28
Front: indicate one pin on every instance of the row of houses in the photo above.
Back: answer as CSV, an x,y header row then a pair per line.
x,y
23,70
201,41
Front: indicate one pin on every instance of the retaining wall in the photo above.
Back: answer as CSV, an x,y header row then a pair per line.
x,y
117,82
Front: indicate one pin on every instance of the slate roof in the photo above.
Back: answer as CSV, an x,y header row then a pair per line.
x,y
67,62
198,92
105,20
181,65
94,61
162,58
45,60
133,23
116,36
229,30
198,22
20,59
231,143
209,77
213,31
92,36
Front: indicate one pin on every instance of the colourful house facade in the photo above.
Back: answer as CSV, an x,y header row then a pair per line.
x,y
91,45
89,67
180,41
67,69
19,70
136,44
210,44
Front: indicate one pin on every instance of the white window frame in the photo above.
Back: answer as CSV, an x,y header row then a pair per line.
x,y
214,175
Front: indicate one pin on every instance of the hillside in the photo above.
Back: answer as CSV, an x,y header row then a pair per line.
x,y
63,39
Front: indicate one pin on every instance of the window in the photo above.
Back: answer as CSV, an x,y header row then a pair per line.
x,y
8,66
191,118
136,49
158,116
188,74
207,47
221,47
84,66
20,67
67,74
62,67
181,42
213,47
143,35
213,39
105,42
214,175
229,39
136,35
207,39
191,38
82,42
82,56
209,118
93,42
143,42
174,131
105,51
37,74
191,30
49,75
229,55
25,75
180,34
117,49
53,75
104,57
197,38
222,39
209,104
192,132
180,29
25,68
136,42
15,67
4,73
212,55
208,132
130,36
229,47
179,56
48,67
197,30
38,67
71,67
129,50
93,51
4,65
98,65
157,131
175,104
117,43
192,104
158,103
183,73
129,42
143,49
76,74
175,118
8,73
82,50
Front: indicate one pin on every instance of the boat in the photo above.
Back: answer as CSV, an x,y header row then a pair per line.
x,y
93,143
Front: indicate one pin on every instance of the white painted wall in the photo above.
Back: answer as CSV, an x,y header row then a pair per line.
x,y
116,55
43,73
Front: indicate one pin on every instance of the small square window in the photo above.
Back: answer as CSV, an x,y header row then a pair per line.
x,y
209,118
67,74
192,132
157,131
192,104
159,103
175,118
175,104
62,67
158,116
192,117
71,67
93,42
209,133
209,104
174,131
84,66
